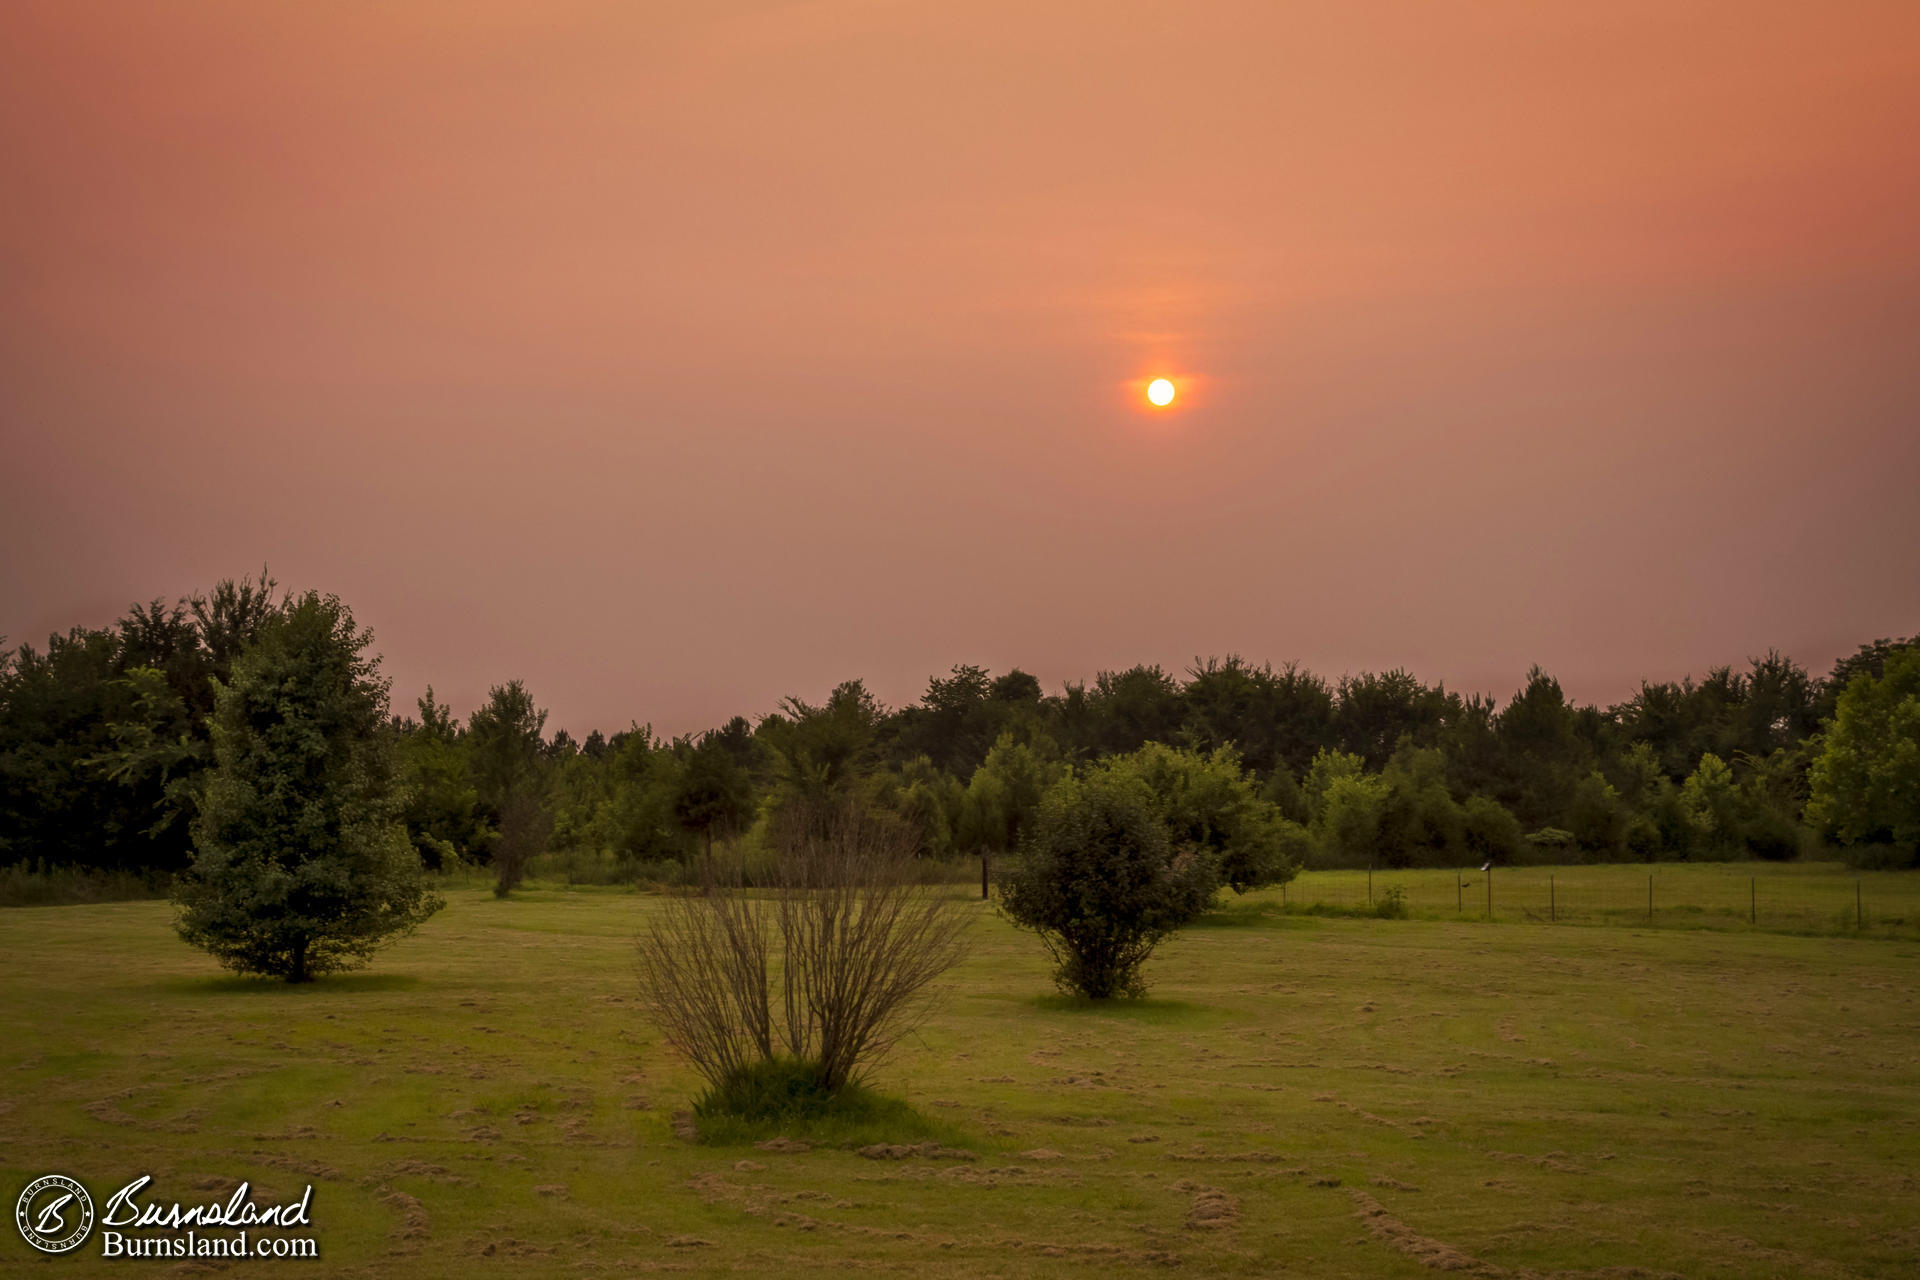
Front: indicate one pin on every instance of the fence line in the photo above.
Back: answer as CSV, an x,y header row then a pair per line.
x,y
1838,901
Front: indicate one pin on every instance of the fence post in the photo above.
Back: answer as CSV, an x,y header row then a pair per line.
x,y
1459,893
1369,884
1552,914
1489,875
1859,912
1649,897
1753,901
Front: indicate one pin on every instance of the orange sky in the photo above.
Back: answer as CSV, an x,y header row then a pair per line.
x,y
678,357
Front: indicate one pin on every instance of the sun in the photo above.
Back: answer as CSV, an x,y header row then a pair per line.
x,y
1160,391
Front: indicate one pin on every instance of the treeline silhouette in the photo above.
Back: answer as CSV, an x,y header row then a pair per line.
x,y
104,740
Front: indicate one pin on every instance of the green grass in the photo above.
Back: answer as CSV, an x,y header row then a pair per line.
x,y
1792,897
1335,1096
782,1099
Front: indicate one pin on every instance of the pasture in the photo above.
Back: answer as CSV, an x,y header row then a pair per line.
x,y
1300,1096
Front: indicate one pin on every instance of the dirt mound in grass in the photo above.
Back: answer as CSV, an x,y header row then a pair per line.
x,y
1212,1209
922,1150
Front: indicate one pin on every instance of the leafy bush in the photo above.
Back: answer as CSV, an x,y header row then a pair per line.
x,y
1102,884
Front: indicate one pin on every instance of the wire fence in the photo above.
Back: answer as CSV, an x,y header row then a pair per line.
x,y
1828,899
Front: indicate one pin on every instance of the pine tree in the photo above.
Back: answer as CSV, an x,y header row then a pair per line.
x,y
301,866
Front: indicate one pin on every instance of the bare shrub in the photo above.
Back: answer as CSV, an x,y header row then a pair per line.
x,y
830,963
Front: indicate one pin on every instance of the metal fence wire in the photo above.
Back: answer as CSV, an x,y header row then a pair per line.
x,y
1829,902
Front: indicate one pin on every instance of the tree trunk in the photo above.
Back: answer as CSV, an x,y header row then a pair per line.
x,y
299,973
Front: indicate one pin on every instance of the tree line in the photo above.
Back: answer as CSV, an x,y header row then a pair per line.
x,y
108,742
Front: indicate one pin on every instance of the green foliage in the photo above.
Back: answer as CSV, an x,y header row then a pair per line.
x,y
1101,883
1349,821
1212,808
1596,817
931,802
1490,831
1274,719
513,776
1551,844
1376,711
104,745
301,865
714,794
1005,793
1327,768
1865,783
1418,821
824,758
103,736
442,809
1543,758
1390,903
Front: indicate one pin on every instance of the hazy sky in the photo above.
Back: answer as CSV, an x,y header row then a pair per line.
x,y
678,357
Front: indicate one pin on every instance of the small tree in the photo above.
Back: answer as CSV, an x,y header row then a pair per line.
x,y
855,942
511,772
301,865
1102,883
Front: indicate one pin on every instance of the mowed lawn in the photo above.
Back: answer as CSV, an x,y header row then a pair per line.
x,y
1300,1096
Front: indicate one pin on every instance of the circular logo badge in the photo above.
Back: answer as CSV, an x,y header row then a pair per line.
x,y
54,1213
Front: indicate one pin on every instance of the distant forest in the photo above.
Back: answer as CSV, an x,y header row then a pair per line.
x,y
104,739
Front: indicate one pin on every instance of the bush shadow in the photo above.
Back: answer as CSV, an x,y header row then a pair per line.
x,y
1132,1009
336,984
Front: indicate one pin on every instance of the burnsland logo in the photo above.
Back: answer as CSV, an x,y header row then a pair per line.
x,y
55,1215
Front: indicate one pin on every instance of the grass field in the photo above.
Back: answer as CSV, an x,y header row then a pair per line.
x,y
1790,897
1301,1096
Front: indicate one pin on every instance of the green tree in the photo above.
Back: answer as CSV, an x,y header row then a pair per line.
x,y
1349,821
1596,817
1419,822
714,795
511,773
1213,809
1101,883
930,800
1004,794
1490,831
1326,768
301,866
1865,784
442,812
824,759
1711,804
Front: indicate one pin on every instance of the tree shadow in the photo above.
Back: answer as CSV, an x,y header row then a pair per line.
x,y
1140,1009
337,984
